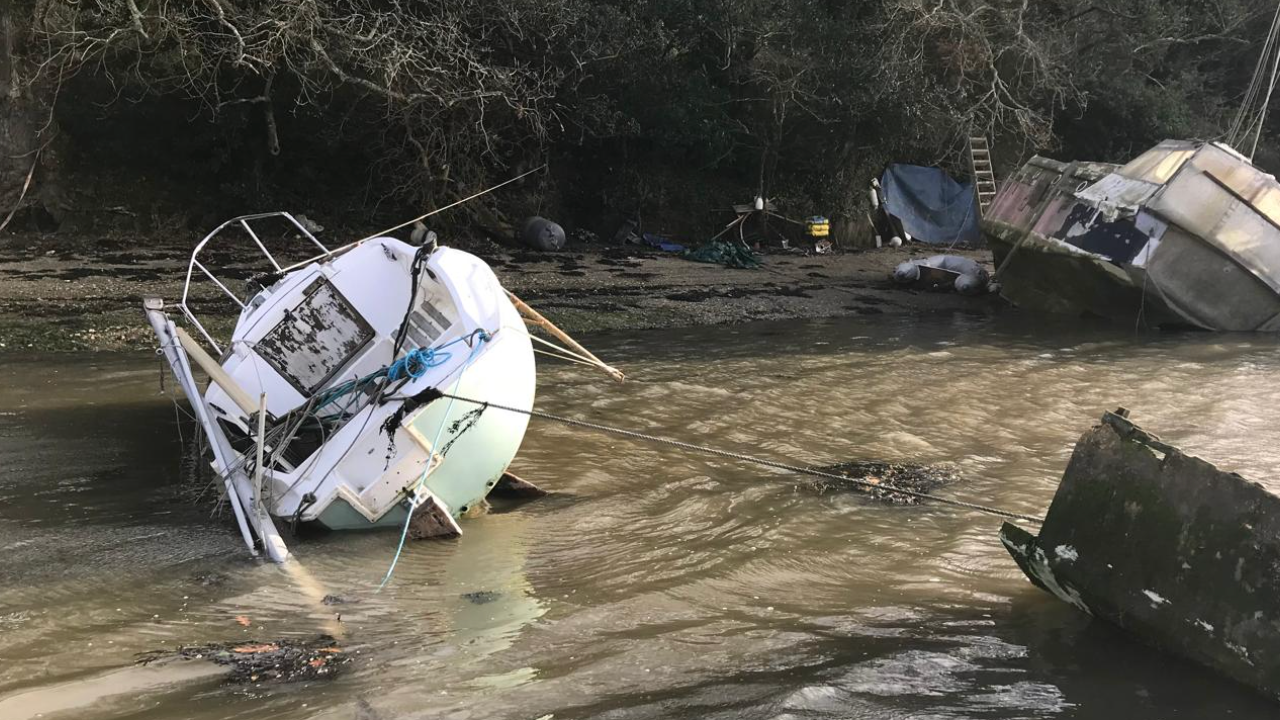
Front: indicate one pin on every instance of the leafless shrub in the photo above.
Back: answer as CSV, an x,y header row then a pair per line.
x,y
458,86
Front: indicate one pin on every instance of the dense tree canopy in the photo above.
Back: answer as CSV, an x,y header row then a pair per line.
x,y
668,107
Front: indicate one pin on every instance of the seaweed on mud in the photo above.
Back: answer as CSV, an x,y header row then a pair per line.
x,y
884,478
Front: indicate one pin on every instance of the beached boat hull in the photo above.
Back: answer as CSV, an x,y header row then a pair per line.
x,y
353,388
481,445
1166,546
1186,235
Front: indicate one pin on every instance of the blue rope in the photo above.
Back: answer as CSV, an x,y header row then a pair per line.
x,y
482,337
416,363
413,365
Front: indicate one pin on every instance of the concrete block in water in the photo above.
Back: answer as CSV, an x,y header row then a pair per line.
x,y
1168,547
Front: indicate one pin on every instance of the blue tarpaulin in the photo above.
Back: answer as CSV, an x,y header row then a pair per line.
x,y
933,208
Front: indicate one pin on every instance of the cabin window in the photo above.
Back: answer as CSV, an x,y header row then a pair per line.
x,y
1157,165
1249,184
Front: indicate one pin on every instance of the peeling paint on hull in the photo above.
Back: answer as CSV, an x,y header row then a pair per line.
x,y
1185,235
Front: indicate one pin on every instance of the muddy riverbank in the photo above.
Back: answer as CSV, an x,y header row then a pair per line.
x,y
60,295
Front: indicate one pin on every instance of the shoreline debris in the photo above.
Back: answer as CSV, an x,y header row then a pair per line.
x,y
886,478
944,272
252,661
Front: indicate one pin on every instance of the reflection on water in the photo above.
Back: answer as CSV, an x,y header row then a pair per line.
x,y
654,583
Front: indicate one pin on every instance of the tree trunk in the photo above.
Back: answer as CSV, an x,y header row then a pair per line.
x,y
25,125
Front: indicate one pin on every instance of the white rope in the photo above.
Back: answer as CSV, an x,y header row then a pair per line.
x,y
1271,86
407,223
566,351
566,358
568,355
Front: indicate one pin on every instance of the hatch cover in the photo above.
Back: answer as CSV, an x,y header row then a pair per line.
x,y
315,339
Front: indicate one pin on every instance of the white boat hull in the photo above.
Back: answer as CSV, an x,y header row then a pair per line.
x,y
359,444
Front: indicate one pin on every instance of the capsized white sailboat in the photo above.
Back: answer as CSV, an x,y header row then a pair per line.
x,y
325,405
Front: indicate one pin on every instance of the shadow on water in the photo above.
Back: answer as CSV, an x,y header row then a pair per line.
x,y
655,583
954,665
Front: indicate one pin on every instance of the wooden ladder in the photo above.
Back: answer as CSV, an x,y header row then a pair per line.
x,y
984,176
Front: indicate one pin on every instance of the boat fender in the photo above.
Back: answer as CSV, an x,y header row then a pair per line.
x,y
540,233
906,273
971,284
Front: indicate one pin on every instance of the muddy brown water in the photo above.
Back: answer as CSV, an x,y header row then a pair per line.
x,y
653,584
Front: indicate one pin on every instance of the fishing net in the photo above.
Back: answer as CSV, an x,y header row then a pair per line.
x,y
719,252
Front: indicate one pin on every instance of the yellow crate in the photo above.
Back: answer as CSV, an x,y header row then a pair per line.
x,y
818,227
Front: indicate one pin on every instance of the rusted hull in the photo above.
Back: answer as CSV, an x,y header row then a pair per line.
x,y
1166,546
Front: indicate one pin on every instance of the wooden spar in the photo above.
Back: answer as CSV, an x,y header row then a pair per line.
x,y
216,373
533,317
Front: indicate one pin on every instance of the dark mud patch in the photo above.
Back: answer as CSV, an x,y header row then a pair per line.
x,y
793,292
288,660
864,310
879,480
707,294
735,293
83,273
481,597
626,262
590,306
525,257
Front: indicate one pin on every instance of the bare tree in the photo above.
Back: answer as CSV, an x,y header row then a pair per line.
x,y
458,87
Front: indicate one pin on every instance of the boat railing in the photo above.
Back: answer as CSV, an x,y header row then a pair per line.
x,y
243,223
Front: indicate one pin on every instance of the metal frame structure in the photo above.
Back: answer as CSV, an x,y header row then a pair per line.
x,y
242,221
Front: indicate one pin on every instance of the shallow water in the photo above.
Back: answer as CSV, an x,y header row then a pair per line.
x,y
654,583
